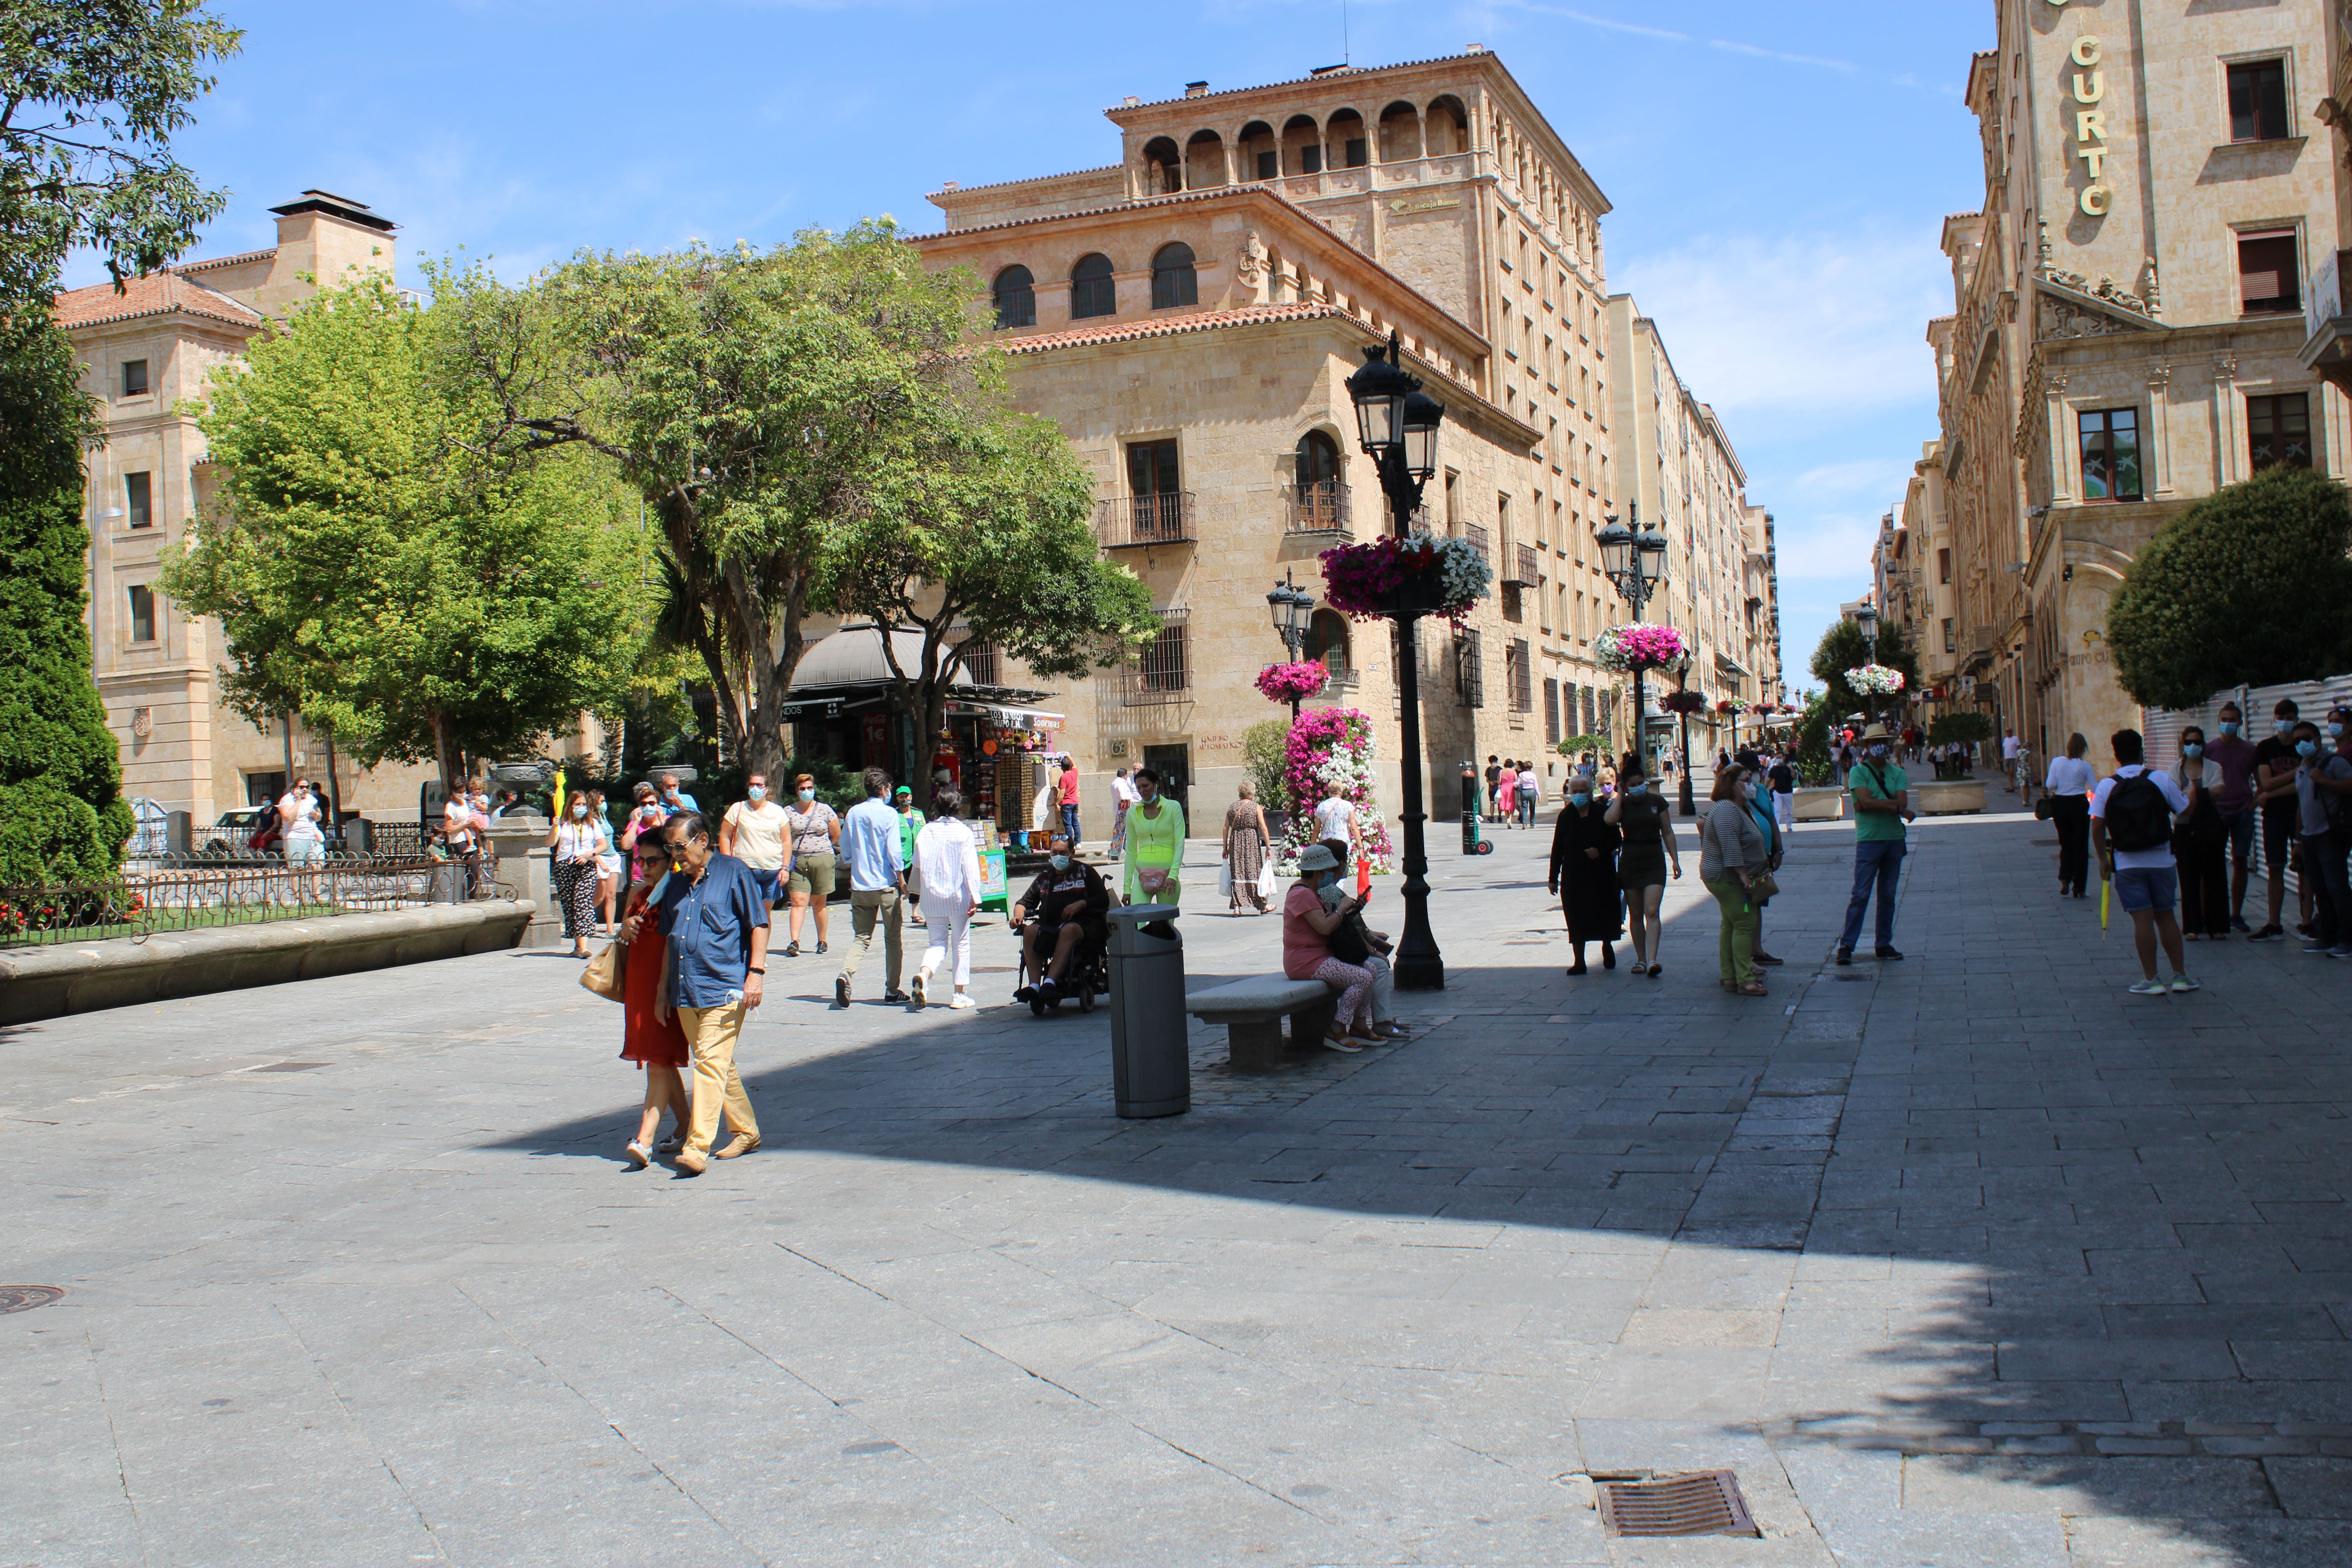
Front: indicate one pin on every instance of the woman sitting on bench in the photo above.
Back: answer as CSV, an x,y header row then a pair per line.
x,y
1306,928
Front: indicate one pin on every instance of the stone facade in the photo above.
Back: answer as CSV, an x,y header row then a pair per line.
x,y
149,352
2128,327
1207,297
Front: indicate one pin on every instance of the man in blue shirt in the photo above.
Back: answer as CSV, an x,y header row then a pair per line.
x,y
871,848
674,799
716,917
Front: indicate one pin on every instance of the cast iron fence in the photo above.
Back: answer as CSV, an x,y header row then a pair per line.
x,y
196,896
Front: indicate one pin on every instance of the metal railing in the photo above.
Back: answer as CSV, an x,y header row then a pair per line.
x,y
1520,571
1129,521
194,896
1477,535
1317,509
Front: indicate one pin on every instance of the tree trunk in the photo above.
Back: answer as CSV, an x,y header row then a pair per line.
x,y
441,753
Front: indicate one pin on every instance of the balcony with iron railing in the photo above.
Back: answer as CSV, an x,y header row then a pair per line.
x,y
1127,523
1318,509
1477,537
1519,569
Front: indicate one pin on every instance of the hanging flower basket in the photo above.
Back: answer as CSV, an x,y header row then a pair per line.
x,y
1626,649
1876,678
1422,575
1683,702
1290,682
1731,705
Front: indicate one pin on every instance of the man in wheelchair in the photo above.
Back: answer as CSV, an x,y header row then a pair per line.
x,y
1061,914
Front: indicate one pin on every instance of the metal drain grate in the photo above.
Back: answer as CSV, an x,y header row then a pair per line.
x,y
25,1297
289,1067
1704,1502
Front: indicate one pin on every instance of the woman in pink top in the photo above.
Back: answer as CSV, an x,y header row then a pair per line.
x,y
1306,928
1507,794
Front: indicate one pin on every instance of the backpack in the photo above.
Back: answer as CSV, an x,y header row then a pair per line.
x,y
2137,815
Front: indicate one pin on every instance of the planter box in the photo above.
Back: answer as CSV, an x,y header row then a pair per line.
x,y
1820,804
1950,797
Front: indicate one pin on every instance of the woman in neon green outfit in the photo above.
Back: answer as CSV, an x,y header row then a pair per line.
x,y
1155,843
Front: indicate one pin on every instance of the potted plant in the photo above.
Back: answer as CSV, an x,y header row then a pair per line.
x,y
1290,682
1638,646
1423,575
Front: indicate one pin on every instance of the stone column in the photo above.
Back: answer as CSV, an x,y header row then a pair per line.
x,y
2159,428
2064,448
521,840
2225,419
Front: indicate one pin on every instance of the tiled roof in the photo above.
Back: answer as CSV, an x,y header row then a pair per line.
x,y
1171,326
1172,199
1032,180
1293,81
156,294
212,261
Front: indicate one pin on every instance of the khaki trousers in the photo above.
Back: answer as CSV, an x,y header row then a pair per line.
x,y
865,908
710,1034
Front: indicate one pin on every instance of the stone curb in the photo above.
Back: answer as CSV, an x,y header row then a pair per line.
x,y
2235,1439
38,983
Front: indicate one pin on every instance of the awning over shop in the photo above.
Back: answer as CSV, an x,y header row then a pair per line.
x,y
847,673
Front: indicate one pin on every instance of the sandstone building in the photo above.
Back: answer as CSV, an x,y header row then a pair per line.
x,y
147,350
1188,315
2129,328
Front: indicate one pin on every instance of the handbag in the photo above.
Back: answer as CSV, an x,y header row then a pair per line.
x,y
2045,809
1762,886
604,974
1346,943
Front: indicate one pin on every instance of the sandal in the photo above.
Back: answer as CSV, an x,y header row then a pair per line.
x,y
1655,970
1754,988
1333,1039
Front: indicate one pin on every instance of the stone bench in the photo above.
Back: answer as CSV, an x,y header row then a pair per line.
x,y
1949,797
1818,804
1252,1011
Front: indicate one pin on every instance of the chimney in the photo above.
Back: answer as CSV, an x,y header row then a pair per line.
x,y
948,185
1474,50
1129,102
1196,89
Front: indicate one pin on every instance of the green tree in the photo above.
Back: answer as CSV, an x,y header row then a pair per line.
x,y
758,400
1964,726
62,816
90,92
1843,647
982,535
374,573
1813,738
1266,752
2250,587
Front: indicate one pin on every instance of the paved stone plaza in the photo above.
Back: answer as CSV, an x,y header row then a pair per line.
x,y
1971,1260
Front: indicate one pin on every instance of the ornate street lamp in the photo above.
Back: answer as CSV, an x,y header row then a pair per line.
x,y
1682,668
1866,617
1634,561
1293,608
1399,426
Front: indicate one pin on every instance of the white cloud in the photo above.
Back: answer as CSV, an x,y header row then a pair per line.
x,y
1811,325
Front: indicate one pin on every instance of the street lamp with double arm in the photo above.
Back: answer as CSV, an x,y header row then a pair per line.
x,y
1634,561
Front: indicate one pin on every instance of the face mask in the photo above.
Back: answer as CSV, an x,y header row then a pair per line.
x,y
2283,728
2193,750
756,794
580,808
649,811
808,792
1637,788
2336,731
1060,862
1580,801
1877,752
659,883
2306,748
1747,790
2231,727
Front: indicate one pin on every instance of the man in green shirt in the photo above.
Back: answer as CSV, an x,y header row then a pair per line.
x,y
1881,805
910,823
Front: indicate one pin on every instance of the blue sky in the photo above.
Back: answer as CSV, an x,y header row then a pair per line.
x,y
1780,168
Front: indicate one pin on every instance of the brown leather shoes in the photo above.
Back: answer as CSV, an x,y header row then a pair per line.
x,y
741,1144
692,1161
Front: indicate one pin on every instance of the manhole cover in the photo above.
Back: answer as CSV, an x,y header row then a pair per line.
x,y
25,1297
1704,1502
289,1067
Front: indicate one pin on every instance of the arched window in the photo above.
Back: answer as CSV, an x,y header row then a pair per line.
x,y
1093,292
1163,167
1172,281
1318,459
1016,298
1318,501
1327,639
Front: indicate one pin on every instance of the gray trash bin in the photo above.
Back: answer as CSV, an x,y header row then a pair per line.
x,y
1150,1071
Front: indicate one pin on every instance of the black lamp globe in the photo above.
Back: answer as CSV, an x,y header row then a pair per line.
x,y
1423,414
1289,605
1866,617
1616,542
1652,543
1380,390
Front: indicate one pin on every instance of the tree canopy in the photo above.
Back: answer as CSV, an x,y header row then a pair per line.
x,y
1843,647
2250,587
374,573
90,93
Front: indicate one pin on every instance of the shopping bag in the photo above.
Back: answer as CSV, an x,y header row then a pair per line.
x,y
603,973
1266,883
1225,880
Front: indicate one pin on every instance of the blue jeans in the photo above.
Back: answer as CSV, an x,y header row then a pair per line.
x,y
1877,861
1070,825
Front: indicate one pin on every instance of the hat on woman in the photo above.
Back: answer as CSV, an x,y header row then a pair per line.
x,y
1315,858
1876,732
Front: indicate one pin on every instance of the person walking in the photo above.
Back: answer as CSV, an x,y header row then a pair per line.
x,y
1493,783
1584,873
2199,840
1731,855
812,871
306,841
609,865
870,843
2131,832
1639,814
1246,839
1506,794
645,819
910,823
754,832
710,911
2322,787
578,844
1123,798
1881,793
1068,794
650,1034
2275,793
1783,780
1306,928
1335,819
947,869
1155,845
2235,800
2069,785
1752,785
1530,794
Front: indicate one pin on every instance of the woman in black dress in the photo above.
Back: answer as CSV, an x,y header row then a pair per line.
x,y
1584,873
1641,814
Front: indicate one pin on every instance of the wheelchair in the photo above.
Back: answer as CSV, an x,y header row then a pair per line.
x,y
1088,979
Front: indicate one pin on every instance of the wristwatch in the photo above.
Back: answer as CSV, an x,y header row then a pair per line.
x,y
755,969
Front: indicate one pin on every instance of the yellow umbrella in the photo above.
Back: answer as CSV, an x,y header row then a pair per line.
x,y
2106,890
558,794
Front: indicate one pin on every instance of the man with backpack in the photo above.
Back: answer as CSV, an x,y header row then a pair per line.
x,y
2131,832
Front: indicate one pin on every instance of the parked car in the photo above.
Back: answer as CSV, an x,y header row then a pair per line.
x,y
230,838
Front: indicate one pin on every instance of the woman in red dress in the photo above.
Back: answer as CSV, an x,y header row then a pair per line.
x,y
651,1037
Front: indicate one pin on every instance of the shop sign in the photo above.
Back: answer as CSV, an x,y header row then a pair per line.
x,y
2087,89
829,709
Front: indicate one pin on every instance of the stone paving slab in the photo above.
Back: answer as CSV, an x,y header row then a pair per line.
x,y
1971,1259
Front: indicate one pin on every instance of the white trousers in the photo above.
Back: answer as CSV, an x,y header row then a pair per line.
x,y
1784,810
950,932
